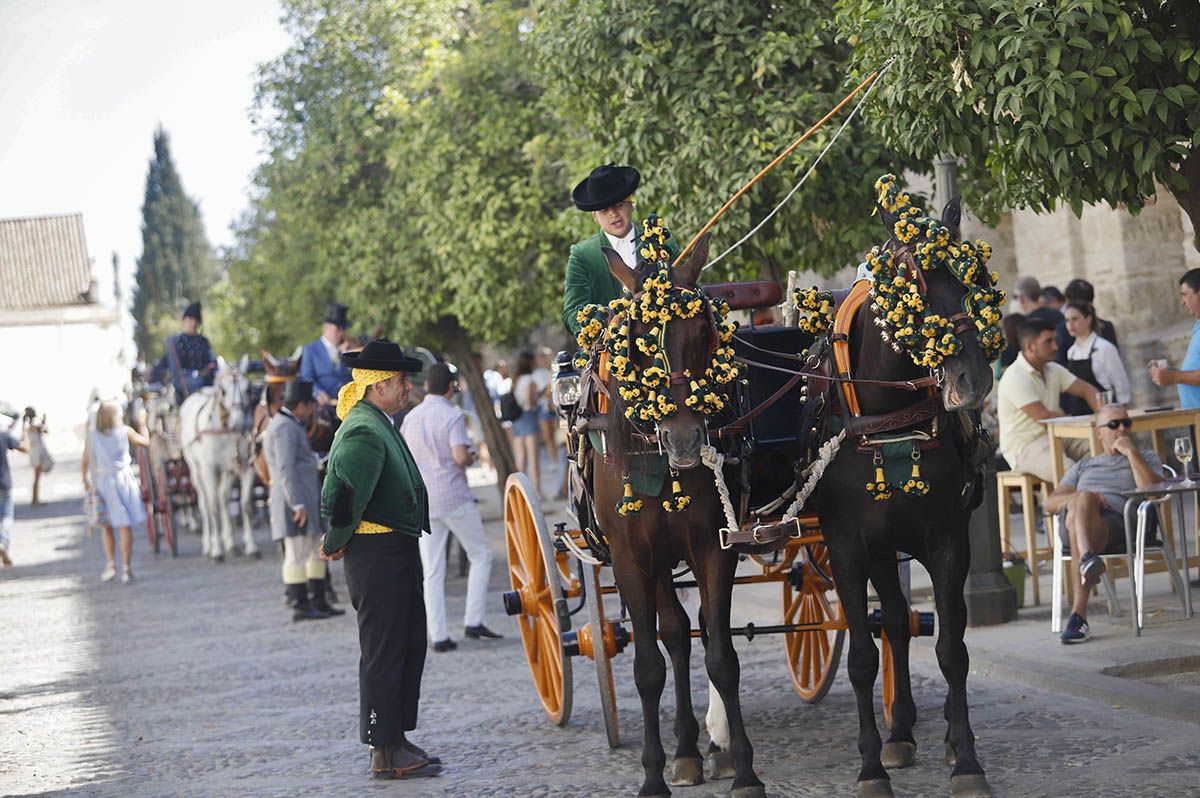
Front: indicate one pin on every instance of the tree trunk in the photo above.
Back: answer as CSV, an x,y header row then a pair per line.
x,y
459,346
1190,200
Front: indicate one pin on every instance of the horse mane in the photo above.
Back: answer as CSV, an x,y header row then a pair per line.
x,y
619,438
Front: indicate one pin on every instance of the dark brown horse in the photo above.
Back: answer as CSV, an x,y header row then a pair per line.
x,y
864,536
646,548
280,371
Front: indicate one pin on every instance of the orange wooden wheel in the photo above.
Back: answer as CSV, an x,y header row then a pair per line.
x,y
813,654
889,679
535,574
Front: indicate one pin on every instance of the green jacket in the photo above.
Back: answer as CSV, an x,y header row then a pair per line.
x,y
370,459
588,279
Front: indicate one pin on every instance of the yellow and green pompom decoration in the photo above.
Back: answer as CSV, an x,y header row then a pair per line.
x,y
879,489
628,505
915,486
678,500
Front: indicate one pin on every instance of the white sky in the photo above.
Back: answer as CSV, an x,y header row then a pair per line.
x,y
83,83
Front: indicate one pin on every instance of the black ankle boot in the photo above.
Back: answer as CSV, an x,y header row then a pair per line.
x,y
304,610
318,601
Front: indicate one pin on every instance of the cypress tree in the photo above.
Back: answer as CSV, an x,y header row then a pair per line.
x,y
177,263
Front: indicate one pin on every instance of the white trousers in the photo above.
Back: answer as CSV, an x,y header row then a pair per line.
x,y
467,525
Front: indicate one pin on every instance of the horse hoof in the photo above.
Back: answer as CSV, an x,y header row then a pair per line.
x,y
256,554
875,788
720,764
898,754
951,756
970,785
218,558
750,791
686,773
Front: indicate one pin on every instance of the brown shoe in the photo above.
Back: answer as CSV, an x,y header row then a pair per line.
x,y
396,762
4,558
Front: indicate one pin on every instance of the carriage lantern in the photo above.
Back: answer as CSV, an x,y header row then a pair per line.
x,y
564,382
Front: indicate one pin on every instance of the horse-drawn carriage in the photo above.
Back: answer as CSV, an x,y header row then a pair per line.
x,y
166,486
894,372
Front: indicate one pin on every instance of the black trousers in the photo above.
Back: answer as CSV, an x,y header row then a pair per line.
x,y
383,574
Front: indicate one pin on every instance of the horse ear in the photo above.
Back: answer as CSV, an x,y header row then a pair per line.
x,y
243,363
296,355
689,273
618,269
221,364
952,216
888,219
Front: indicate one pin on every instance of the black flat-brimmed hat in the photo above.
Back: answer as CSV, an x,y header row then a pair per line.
x,y
192,310
336,314
605,186
382,355
297,391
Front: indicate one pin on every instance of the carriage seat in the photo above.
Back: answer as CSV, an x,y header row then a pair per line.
x,y
750,295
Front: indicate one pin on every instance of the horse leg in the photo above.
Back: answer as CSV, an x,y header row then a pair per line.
x,y
900,750
720,763
649,669
224,494
948,564
200,484
675,630
247,507
715,577
850,575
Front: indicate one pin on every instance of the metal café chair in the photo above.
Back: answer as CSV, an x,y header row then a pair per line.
x,y
1137,524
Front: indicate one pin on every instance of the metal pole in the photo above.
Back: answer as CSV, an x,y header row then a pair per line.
x,y
991,598
945,181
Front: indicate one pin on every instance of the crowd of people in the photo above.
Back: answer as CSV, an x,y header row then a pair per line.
x,y
1064,359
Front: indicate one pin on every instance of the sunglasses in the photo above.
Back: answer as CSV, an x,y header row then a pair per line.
x,y
1117,423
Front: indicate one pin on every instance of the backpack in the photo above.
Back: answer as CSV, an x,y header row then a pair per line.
x,y
510,408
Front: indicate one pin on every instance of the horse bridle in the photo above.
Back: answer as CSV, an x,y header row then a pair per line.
x,y
961,322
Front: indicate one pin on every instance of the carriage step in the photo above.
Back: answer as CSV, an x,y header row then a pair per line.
x,y
921,624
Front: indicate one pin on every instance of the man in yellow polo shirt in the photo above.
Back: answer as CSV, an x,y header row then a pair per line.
x,y
1029,392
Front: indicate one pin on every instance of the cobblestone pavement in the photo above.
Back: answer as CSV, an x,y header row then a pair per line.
x,y
193,681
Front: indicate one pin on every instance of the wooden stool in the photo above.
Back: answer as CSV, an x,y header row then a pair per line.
x,y
1028,484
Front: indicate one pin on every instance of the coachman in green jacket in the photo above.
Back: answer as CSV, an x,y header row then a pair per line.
x,y
378,508
608,193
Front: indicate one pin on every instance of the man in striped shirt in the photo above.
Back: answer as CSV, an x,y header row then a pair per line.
x,y
436,433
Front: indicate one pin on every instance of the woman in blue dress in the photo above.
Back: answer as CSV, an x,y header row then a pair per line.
x,y
106,457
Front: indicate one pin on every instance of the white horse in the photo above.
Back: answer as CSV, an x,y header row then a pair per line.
x,y
214,427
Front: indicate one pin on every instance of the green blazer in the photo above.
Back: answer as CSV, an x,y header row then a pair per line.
x,y
588,279
373,473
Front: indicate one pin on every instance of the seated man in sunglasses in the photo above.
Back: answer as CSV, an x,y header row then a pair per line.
x,y
1092,506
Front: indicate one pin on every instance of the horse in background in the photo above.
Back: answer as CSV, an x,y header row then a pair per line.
x,y
646,547
214,424
281,370
864,536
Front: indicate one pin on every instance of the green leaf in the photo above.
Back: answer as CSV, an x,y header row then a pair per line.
x,y
1174,94
1106,71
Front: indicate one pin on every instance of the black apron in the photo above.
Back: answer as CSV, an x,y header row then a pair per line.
x,y
1082,369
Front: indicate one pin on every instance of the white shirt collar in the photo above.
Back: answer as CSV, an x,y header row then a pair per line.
x,y
624,247
334,354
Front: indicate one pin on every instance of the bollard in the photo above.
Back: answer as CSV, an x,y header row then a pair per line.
x,y
991,598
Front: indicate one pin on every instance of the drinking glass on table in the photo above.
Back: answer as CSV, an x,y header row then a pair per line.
x,y
1183,453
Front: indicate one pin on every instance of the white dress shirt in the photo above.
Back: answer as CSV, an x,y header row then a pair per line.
x,y
331,348
625,247
1106,365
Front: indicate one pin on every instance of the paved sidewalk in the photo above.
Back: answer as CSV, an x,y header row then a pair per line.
x,y
193,681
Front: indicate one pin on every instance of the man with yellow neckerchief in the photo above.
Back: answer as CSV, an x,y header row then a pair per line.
x,y
378,508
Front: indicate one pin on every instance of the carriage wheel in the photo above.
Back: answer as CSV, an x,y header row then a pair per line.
x,y
147,488
813,655
164,513
889,679
600,655
535,576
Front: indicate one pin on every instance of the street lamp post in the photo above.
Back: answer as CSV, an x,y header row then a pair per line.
x,y
991,598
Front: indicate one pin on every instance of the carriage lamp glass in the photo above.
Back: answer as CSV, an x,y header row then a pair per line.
x,y
566,388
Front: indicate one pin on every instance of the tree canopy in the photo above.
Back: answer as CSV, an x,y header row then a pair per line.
x,y
699,97
1080,101
176,264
